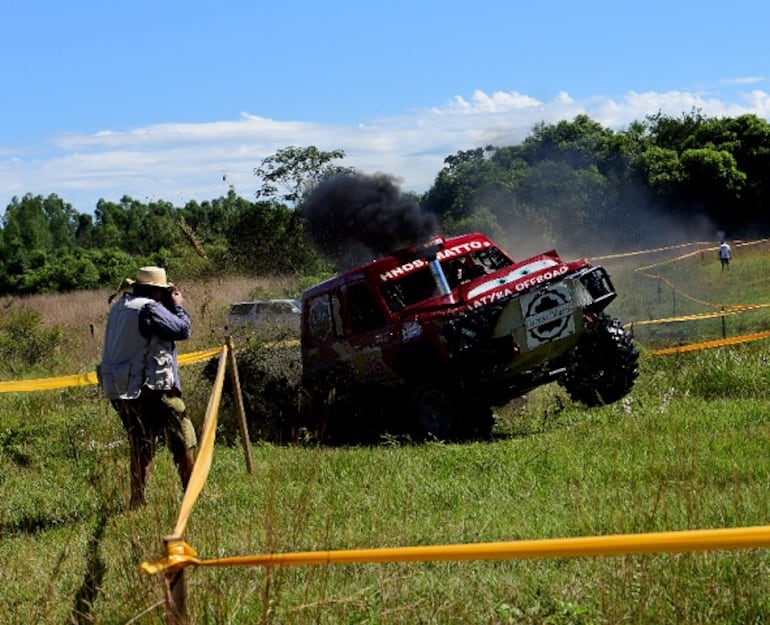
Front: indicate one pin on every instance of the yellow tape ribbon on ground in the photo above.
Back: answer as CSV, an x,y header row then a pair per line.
x,y
85,379
196,357
180,555
48,384
649,251
732,310
734,340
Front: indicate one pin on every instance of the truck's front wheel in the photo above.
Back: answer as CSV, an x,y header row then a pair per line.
x,y
604,366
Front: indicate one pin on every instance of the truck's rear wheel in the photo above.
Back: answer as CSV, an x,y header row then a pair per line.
x,y
604,366
436,416
445,414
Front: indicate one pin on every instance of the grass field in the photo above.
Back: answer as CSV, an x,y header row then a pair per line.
x,y
687,449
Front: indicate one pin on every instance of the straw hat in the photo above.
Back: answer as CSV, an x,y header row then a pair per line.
x,y
151,276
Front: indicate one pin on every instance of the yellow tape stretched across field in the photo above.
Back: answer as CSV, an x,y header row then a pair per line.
x,y
649,251
48,384
732,310
655,250
745,338
85,379
181,555
88,378
644,272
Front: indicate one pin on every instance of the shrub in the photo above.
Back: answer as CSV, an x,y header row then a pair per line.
x,y
270,375
24,341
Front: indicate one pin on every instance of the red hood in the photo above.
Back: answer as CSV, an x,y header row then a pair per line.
x,y
505,283
520,277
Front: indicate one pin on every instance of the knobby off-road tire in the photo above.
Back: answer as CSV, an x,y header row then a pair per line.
x,y
604,366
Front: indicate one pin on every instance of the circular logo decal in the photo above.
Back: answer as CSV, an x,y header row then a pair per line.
x,y
548,315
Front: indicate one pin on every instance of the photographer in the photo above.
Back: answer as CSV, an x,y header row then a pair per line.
x,y
139,374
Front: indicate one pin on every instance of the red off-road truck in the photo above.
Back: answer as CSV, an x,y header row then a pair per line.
x,y
437,334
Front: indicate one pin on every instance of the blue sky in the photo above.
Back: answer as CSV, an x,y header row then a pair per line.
x,y
162,100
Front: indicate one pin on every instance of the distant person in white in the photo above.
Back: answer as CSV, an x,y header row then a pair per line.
x,y
725,254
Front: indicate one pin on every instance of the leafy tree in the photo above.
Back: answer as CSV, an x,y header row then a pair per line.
x,y
675,133
560,178
752,154
160,226
38,224
137,228
463,178
117,225
113,265
580,143
661,169
696,166
210,220
35,230
269,238
296,171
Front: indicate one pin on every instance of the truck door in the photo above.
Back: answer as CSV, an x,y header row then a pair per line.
x,y
366,333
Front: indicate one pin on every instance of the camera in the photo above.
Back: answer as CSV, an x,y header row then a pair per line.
x,y
168,297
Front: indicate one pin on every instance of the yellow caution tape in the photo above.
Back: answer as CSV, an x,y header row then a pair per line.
x,y
649,251
48,384
205,448
745,338
655,250
643,271
195,357
733,310
88,378
180,555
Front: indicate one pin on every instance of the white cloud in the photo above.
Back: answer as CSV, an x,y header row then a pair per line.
x,y
744,80
496,103
179,162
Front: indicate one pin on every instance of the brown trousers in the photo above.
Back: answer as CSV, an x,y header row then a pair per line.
x,y
151,416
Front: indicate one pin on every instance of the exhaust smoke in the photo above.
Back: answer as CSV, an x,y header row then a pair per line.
x,y
355,217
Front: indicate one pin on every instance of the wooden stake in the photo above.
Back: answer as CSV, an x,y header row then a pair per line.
x,y
175,594
239,407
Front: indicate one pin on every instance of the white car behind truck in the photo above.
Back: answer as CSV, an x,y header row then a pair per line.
x,y
266,314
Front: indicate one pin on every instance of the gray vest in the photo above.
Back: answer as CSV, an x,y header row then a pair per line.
x,y
130,361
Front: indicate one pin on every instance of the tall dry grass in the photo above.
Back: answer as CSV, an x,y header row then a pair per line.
x,y
83,314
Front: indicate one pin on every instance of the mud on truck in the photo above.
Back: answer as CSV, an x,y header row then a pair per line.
x,y
436,335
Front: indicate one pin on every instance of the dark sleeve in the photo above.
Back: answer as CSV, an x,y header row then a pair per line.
x,y
171,325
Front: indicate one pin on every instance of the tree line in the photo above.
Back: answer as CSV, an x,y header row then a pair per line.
x,y
575,180
569,181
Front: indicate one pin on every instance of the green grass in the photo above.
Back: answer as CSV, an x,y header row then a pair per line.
x,y
690,286
687,449
672,456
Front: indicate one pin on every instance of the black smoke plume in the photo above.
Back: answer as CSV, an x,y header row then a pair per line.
x,y
355,217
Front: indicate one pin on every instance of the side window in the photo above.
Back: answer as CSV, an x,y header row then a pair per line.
x,y
320,317
241,310
324,318
364,313
413,288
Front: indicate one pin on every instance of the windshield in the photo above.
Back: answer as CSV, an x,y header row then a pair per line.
x,y
421,285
